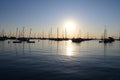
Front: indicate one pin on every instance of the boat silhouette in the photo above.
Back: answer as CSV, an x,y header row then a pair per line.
x,y
105,39
17,41
30,41
77,40
2,39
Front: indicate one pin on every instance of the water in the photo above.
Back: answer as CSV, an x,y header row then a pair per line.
x,y
51,60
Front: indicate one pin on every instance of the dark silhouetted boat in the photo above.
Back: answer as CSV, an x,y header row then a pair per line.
x,y
2,39
105,39
17,41
77,40
23,39
30,41
119,37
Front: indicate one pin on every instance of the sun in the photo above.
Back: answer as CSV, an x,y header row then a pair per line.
x,y
69,26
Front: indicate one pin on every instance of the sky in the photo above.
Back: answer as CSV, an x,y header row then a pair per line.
x,y
89,16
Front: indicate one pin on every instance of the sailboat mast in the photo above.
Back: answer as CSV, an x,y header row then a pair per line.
x,y
87,35
9,33
19,34
43,34
119,35
105,33
30,33
65,33
23,32
3,33
57,33
51,32
16,32
79,34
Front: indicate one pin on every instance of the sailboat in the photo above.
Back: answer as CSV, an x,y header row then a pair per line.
x,y
17,41
119,37
78,40
58,39
23,38
105,39
28,41
3,38
51,36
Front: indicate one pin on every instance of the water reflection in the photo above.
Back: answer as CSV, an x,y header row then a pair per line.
x,y
2,46
57,47
30,49
69,49
105,46
119,44
23,49
16,49
76,60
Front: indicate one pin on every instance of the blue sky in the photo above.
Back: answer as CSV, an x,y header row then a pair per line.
x,y
89,15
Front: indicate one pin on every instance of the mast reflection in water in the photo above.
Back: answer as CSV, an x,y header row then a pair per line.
x,y
64,60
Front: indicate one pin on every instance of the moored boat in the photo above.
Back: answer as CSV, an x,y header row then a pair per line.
x,y
17,41
77,40
107,40
30,41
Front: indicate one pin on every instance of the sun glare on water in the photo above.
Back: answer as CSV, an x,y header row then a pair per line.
x,y
69,49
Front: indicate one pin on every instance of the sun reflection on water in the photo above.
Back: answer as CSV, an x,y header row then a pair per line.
x,y
69,49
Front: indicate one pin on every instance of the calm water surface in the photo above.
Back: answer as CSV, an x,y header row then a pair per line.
x,y
51,60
